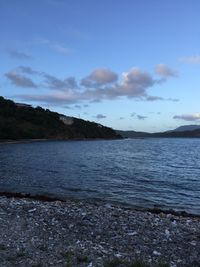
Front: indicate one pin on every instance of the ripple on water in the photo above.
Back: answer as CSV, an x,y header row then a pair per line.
x,y
140,172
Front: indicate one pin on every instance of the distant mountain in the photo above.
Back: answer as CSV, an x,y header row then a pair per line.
x,y
21,121
133,134
177,134
186,128
187,131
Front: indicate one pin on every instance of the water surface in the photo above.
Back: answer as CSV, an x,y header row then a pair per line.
x,y
140,172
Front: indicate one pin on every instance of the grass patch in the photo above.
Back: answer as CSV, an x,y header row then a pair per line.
x,y
13,258
2,247
122,263
138,263
43,248
114,263
82,258
68,257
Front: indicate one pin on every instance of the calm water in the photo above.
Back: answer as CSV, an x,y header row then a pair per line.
x,y
143,172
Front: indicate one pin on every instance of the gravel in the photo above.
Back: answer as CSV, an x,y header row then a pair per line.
x,y
77,233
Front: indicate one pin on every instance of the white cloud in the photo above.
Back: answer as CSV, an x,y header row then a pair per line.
x,y
54,83
135,83
133,114
165,71
55,98
56,46
100,116
99,77
172,99
154,98
20,80
49,81
28,70
78,106
190,59
60,48
188,117
18,54
140,117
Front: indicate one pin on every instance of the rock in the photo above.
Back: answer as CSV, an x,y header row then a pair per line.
x,y
132,233
193,243
118,255
156,253
167,233
32,210
174,223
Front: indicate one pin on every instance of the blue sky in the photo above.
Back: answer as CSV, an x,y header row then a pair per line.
x,y
132,65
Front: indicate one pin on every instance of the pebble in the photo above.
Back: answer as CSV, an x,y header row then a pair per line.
x,y
156,253
174,223
167,233
132,233
32,210
193,243
118,255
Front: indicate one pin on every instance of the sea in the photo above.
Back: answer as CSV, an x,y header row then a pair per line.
x,y
142,173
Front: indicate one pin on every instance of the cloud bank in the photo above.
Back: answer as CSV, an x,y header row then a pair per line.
x,y
101,84
188,117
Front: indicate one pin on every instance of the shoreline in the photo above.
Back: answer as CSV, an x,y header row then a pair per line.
x,y
76,233
44,198
24,141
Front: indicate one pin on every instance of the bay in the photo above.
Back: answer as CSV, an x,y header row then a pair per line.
x,y
143,173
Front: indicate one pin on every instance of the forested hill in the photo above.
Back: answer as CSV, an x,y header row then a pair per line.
x,y
19,121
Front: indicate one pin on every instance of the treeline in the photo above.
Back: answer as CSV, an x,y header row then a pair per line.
x,y
25,122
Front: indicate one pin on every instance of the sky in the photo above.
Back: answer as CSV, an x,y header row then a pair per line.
x,y
127,64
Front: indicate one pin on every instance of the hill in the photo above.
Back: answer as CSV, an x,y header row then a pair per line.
x,y
182,131
133,134
178,134
21,121
186,128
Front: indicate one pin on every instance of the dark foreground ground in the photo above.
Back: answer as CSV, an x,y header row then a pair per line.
x,y
36,233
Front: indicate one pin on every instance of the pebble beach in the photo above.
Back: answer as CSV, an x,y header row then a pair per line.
x,y
77,233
